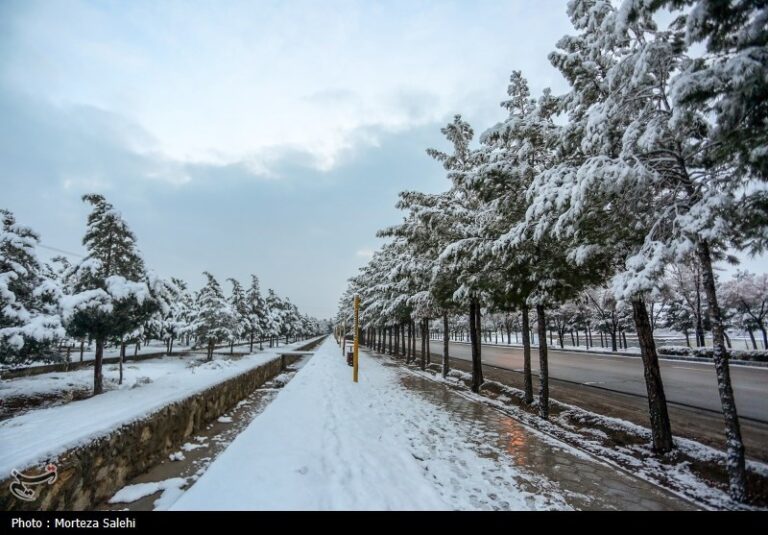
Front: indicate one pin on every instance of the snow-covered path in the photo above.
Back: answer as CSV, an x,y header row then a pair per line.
x,y
395,441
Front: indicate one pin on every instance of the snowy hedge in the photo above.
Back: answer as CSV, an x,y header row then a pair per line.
x,y
706,352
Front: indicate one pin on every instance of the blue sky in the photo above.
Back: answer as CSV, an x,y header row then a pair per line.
x,y
250,137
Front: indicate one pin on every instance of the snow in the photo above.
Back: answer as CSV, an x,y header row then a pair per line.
x,y
315,452
41,434
131,493
326,443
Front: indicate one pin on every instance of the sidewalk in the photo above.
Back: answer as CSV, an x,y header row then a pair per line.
x,y
396,441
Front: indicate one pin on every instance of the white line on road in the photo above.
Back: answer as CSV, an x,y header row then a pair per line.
x,y
689,368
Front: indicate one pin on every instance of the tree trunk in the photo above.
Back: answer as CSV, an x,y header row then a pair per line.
x,y
661,430
727,340
429,341
171,342
687,338
251,340
396,328
423,333
446,339
408,350
402,338
527,378
82,349
614,347
735,463
474,336
122,358
765,336
210,350
98,378
543,364
751,336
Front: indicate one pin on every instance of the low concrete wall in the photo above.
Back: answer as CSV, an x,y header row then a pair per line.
x,y
90,474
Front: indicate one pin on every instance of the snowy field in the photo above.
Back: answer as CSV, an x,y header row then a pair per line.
x,y
327,443
112,352
148,386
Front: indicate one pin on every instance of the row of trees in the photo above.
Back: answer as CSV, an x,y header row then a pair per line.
x,y
110,297
655,159
596,318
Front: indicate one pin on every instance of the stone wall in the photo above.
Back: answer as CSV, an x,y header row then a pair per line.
x,y
90,474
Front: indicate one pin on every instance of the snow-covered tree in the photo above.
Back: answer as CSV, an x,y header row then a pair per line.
x,y
215,320
29,314
239,305
255,312
111,295
747,294
177,322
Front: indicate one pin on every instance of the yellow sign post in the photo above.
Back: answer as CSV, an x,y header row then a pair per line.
x,y
357,335
343,338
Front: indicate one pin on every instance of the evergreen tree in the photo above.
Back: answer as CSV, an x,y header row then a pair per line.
x,y
255,312
111,294
240,307
215,320
29,314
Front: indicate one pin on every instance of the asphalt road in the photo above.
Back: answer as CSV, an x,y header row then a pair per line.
x,y
686,383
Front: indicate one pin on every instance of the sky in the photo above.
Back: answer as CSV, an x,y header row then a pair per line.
x,y
265,137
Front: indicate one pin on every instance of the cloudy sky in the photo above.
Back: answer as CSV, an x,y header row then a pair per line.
x,y
250,137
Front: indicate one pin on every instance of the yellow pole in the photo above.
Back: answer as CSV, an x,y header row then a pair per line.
x,y
357,335
344,338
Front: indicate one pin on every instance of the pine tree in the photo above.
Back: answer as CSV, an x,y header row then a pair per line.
x,y
255,312
177,321
111,295
215,319
29,314
239,305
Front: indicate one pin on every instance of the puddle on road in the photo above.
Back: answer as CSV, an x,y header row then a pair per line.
x,y
192,459
546,466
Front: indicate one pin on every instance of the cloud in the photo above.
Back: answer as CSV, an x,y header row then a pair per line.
x,y
225,85
259,137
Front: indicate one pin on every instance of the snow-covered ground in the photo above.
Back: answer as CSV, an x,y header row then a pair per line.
x,y
134,375
326,443
148,386
154,347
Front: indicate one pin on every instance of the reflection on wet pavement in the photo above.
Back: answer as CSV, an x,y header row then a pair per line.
x,y
549,470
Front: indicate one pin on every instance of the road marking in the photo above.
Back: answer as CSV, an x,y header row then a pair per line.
x,y
688,368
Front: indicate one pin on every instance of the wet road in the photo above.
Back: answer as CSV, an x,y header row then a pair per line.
x,y
686,383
